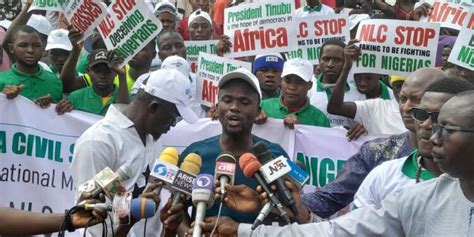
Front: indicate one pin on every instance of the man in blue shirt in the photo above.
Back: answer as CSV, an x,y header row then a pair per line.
x,y
238,106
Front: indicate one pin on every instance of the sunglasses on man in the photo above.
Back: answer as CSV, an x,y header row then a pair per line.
x,y
422,115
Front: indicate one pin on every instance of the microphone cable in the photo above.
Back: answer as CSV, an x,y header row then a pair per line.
x,y
218,216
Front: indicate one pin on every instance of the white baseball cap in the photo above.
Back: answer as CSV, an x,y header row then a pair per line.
x,y
300,67
58,39
178,63
199,13
174,87
355,19
241,74
165,7
40,23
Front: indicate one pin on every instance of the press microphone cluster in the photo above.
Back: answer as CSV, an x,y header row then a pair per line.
x,y
139,208
106,181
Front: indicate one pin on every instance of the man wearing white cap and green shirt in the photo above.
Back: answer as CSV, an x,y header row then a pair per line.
x,y
59,46
293,105
129,135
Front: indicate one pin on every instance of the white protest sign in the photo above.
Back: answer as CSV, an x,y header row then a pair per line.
x,y
210,70
261,27
83,15
128,28
462,53
449,15
36,152
394,47
315,30
48,5
193,48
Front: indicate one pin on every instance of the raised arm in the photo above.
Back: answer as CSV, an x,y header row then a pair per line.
x,y
68,74
336,104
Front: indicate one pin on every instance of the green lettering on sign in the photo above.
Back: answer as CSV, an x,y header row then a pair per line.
x,y
321,170
3,142
17,147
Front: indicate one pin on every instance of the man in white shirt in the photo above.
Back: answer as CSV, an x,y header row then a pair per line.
x,y
314,8
439,207
396,175
377,115
129,135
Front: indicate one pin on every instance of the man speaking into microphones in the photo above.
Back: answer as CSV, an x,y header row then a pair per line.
x,y
128,135
237,108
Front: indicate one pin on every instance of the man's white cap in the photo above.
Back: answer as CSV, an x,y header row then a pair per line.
x,y
165,7
5,23
58,39
174,87
300,67
178,63
40,23
241,74
199,13
355,19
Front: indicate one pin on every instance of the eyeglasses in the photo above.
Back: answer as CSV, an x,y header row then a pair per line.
x,y
438,129
422,115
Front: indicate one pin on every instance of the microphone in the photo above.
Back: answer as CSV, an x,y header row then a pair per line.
x,y
183,182
164,169
106,181
264,155
263,213
225,171
139,207
203,198
250,167
298,174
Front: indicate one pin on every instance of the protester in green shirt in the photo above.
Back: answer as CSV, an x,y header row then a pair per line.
x,y
293,105
138,65
97,97
26,77
372,87
267,68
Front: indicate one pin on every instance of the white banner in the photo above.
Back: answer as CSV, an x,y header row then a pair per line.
x,y
193,48
210,70
462,53
36,148
128,28
261,27
315,30
36,151
394,47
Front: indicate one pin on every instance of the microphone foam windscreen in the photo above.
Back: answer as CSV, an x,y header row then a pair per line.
x,y
249,164
170,155
192,163
142,208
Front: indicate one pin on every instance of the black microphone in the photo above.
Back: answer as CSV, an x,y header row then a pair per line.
x,y
264,155
225,171
250,167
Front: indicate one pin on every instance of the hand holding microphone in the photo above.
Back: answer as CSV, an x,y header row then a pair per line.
x,y
239,198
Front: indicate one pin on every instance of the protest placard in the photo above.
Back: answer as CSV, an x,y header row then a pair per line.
x,y
210,70
448,14
315,30
193,48
261,27
462,53
128,28
48,5
394,47
83,15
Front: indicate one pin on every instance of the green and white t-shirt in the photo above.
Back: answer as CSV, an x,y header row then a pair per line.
x,y
388,178
318,10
